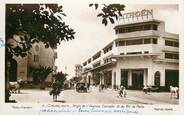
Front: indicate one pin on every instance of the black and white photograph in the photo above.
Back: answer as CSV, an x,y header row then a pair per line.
x,y
92,53
115,53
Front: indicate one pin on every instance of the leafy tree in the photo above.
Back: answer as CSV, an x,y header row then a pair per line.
x,y
42,22
61,77
33,22
109,12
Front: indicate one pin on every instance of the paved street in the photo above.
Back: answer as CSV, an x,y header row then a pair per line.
x,y
108,96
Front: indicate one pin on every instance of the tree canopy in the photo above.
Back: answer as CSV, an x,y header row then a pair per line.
x,y
36,22
60,76
109,12
44,22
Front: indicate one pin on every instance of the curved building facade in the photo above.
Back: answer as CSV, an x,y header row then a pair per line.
x,y
142,54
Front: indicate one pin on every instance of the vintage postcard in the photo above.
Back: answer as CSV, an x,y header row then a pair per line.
x,y
91,57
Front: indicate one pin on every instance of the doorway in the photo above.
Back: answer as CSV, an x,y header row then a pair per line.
x,y
171,78
124,77
137,79
108,79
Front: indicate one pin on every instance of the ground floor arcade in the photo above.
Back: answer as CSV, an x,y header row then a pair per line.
x,y
135,74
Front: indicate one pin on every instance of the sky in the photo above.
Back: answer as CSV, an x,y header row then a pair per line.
x,y
91,35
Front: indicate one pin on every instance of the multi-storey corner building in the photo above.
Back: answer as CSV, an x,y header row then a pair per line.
x,y
141,54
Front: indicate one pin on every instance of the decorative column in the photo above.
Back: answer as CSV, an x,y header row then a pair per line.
x,y
118,77
129,77
162,77
145,77
150,77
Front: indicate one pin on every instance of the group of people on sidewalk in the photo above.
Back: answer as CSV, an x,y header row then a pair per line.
x,y
121,92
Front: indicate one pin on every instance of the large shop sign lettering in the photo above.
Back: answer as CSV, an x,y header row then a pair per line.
x,y
143,13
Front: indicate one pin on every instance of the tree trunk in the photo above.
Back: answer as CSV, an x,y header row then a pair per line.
x,y
42,85
7,92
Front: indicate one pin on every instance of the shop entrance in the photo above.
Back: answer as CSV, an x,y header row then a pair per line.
x,y
124,77
137,79
108,79
171,78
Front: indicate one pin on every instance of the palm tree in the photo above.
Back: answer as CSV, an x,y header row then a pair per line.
x,y
40,75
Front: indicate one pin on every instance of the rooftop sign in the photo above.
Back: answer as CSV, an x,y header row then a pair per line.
x,y
137,15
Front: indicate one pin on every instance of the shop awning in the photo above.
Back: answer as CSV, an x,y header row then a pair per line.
x,y
103,66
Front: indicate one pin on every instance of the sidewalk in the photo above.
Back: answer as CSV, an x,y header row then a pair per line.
x,y
107,96
149,98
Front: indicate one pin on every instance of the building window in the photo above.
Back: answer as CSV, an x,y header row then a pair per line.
x,y
147,41
154,40
36,58
96,55
134,42
89,60
171,43
176,44
116,31
147,27
129,29
129,53
107,49
155,27
136,28
137,42
85,63
146,52
120,43
168,43
171,55
96,65
107,60
121,30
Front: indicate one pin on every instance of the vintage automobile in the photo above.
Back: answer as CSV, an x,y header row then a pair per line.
x,y
81,87
151,89
154,89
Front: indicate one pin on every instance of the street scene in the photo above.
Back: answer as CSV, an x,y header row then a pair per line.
x,y
95,97
106,54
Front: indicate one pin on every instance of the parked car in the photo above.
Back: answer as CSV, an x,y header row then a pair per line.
x,y
154,89
151,89
81,87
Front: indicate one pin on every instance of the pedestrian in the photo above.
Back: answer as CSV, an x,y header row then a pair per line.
x,y
124,92
121,91
145,89
55,88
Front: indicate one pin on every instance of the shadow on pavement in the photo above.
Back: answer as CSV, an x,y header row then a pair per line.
x,y
20,93
62,101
